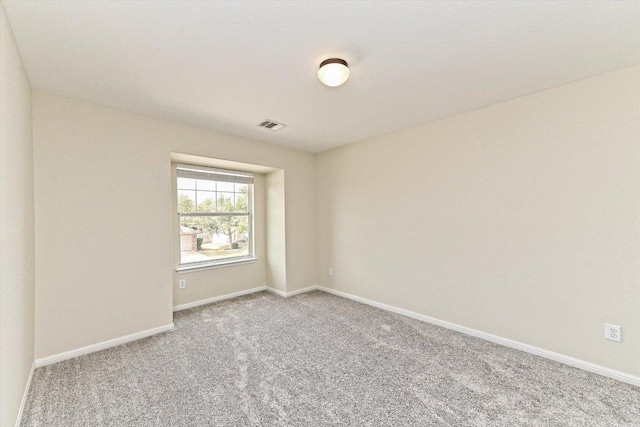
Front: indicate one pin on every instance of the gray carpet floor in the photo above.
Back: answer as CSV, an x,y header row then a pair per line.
x,y
319,360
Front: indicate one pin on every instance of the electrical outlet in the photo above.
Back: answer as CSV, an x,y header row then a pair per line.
x,y
330,271
182,284
612,332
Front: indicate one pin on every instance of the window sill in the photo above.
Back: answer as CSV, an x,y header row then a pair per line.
x,y
191,268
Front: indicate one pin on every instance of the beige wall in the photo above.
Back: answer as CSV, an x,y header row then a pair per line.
x,y
520,219
16,227
103,175
276,231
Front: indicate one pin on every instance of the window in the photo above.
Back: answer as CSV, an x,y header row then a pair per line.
x,y
214,210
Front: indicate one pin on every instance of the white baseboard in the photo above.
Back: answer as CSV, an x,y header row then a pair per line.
x,y
241,293
219,298
283,294
101,346
292,293
567,360
24,395
302,291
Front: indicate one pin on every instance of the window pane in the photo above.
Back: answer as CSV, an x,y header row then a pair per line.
x,y
206,201
186,201
242,188
205,184
225,202
241,202
225,186
204,238
186,184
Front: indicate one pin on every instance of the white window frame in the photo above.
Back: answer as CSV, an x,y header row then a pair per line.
x,y
218,175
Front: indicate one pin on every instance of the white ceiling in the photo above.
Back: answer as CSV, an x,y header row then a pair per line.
x,y
229,65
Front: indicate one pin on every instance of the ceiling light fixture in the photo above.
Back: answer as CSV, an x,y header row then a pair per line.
x,y
333,72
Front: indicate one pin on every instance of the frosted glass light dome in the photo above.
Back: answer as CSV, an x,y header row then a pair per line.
x,y
333,72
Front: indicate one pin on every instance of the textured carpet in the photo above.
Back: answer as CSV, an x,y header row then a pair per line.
x,y
319,360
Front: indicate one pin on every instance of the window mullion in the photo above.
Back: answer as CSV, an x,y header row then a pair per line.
x,y
214,213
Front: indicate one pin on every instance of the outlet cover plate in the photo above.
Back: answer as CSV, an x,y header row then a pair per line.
x,y
182,284
612,332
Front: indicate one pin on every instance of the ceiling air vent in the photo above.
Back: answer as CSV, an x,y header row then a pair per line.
x,y
270,124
